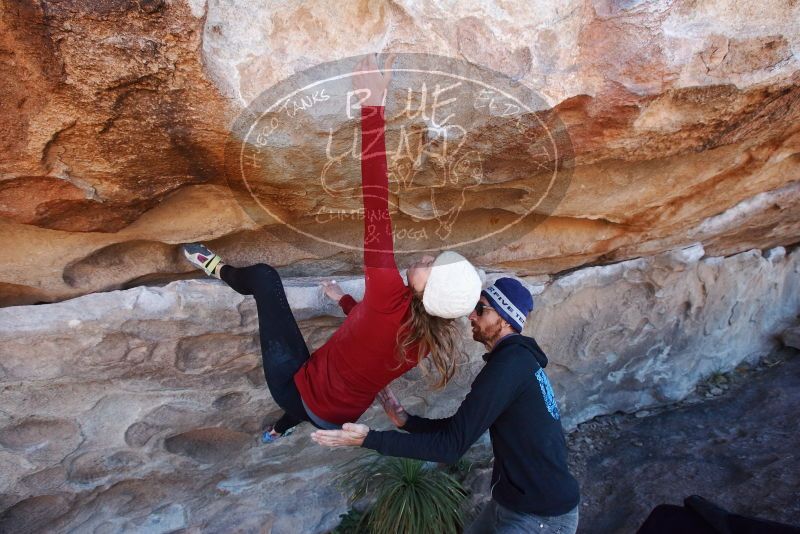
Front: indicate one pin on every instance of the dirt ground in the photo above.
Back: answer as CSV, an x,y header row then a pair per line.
x,y
735,441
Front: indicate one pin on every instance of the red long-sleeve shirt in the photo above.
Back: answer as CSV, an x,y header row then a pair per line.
x,y
341,379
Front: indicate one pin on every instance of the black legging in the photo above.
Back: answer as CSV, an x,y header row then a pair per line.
x,y
283,349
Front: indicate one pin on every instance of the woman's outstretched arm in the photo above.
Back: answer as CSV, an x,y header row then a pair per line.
x,y
378,240
378,243
385,288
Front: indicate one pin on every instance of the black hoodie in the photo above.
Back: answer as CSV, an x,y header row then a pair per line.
x,y
512,397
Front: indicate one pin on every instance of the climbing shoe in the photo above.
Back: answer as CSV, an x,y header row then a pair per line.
x,y
202,258
268,436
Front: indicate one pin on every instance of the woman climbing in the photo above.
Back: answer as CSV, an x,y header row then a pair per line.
x,y
390,331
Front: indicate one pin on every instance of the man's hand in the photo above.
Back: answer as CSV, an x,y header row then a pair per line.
x,y
368,79
332,290
394,410
351,435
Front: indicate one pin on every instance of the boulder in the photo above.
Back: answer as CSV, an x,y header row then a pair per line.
x,y
142,408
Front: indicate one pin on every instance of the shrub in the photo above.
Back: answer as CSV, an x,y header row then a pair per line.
x,y
411,497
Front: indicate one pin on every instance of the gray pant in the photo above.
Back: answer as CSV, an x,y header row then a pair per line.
x,y
495,518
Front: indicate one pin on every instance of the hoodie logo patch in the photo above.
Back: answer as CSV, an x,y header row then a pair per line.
x,y
547,394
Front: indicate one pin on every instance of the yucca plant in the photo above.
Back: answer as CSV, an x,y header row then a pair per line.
x,y
411,497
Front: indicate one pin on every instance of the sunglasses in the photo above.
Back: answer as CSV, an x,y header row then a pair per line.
x,y
480,306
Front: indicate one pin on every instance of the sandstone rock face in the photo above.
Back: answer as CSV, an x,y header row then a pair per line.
x,y
137,405
141,409
674,319
682,119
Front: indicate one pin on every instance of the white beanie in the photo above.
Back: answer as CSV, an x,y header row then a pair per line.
x,y
453,287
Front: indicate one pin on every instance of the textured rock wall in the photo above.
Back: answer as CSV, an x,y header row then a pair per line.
x,y
140,409
116,114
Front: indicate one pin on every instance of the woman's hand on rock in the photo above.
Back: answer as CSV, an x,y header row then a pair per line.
x,y
332,290
370,82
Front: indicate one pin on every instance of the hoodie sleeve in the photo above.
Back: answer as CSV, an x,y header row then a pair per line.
x,y
446,440
421,425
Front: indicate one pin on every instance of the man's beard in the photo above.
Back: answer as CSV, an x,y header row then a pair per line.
x,y
489,335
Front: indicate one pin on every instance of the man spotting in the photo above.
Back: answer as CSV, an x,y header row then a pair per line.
x,y
532,488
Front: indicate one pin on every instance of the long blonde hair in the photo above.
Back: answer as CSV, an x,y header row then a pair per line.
x,y
438,338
